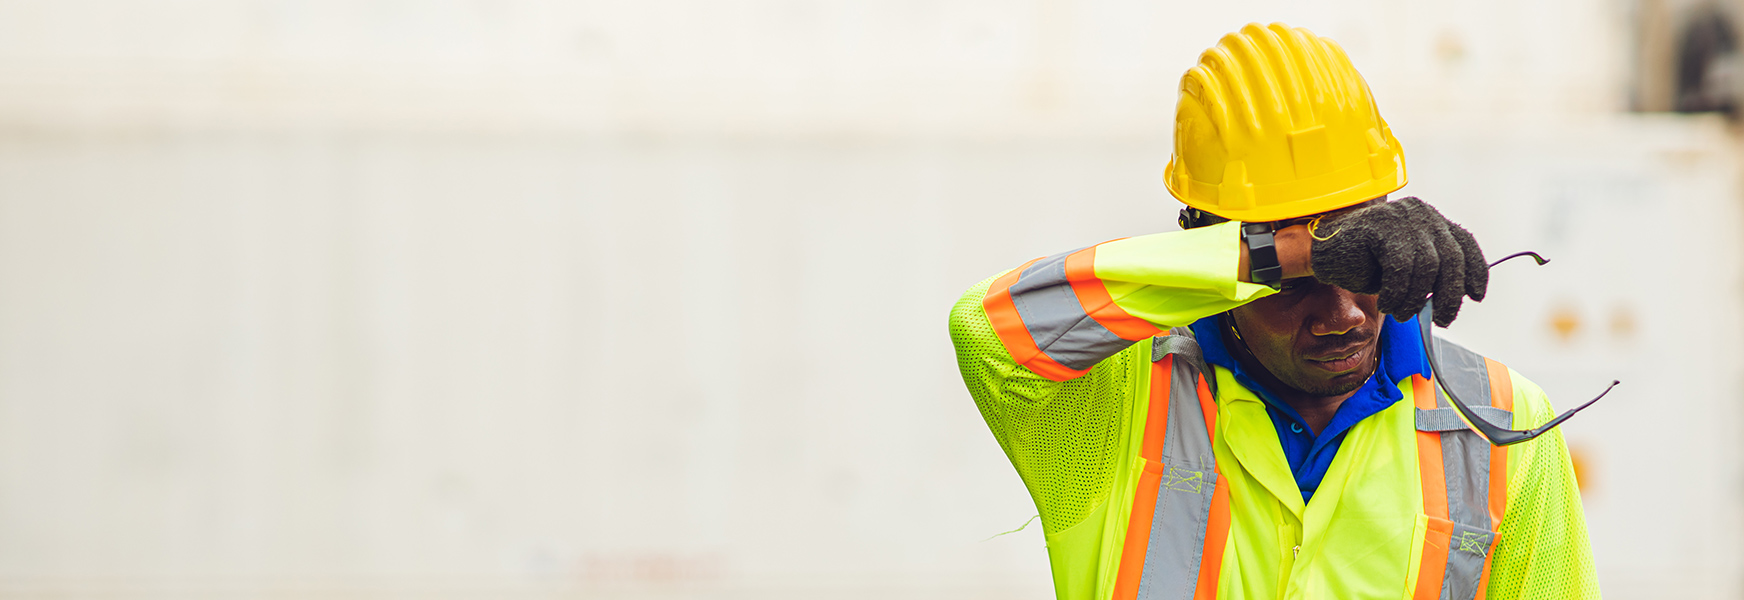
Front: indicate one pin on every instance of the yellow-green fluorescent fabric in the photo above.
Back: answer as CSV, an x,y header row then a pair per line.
x,y
1075,444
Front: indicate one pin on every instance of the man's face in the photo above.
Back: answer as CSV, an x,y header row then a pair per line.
x,y
1319,339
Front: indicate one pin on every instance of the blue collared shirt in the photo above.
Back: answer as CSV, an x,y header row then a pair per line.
x,y
1401,355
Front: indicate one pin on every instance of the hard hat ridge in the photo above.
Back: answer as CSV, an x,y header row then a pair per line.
x,y
1273,123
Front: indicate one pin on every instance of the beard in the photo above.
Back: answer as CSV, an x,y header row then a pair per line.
x,y
1335,387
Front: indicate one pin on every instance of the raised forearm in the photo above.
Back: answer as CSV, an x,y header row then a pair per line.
x,y
1295,254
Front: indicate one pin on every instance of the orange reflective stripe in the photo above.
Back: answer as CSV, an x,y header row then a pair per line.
x,y
1209,405
1144,498
1216,537
1422,393
1435,544
1093,296
1484,579
1429,454
1002,314
1157,414
1217,522
1501,386
1501,396
1138,531
1433,564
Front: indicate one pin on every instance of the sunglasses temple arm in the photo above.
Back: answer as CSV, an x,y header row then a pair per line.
x,y
1536,431
1492,434
1495,435
1539,259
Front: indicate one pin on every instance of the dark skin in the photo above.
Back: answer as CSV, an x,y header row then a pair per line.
x,y
1311,344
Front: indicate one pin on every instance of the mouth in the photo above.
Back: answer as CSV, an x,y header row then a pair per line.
x,y
1342,361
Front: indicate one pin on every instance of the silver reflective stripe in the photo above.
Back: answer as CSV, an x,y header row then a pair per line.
x,y
1180,341
1465,460
1171,567
1447,419
1056,319
1465,561
1164,345
1177,539
1186,443
1465,372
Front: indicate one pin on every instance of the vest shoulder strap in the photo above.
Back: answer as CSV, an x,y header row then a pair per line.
x,y
1464,478
1179,524
1179,342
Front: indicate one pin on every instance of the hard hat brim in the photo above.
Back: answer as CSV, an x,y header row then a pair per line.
x,y
1287,200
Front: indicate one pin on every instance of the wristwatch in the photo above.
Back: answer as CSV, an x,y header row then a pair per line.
x,y
1262,254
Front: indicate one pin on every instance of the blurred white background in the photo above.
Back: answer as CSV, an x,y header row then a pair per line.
x,y
468,299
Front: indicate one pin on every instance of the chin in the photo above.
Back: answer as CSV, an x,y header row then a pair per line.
x,y
1337,386
1339,389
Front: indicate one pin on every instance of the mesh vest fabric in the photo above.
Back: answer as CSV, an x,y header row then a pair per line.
x,y
1534,561
1061,436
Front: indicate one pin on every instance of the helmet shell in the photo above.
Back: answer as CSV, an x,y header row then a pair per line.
x,y
1275,123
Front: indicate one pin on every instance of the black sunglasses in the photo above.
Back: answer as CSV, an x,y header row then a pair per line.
x,y
1496,435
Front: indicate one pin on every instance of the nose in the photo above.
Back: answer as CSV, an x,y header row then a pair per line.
x,y
1335,311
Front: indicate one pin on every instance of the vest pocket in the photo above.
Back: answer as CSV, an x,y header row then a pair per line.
x,y
1451,559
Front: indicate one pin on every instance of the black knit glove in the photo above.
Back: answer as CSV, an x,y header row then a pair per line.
x,y
1402,250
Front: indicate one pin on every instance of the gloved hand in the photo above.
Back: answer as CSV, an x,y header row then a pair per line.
x,y
1402,250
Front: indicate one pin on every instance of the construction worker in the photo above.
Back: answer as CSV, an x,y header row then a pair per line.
x,y
1236,410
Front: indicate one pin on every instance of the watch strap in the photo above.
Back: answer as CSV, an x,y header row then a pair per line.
x,y
1262,254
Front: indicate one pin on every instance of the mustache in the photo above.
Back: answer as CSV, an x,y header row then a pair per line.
x,y
1348,341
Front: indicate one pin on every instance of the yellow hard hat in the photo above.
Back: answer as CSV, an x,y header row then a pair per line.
x,y
1275,123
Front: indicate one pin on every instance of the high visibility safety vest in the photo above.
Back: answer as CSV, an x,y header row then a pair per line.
x,y
1165,479
1180,528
